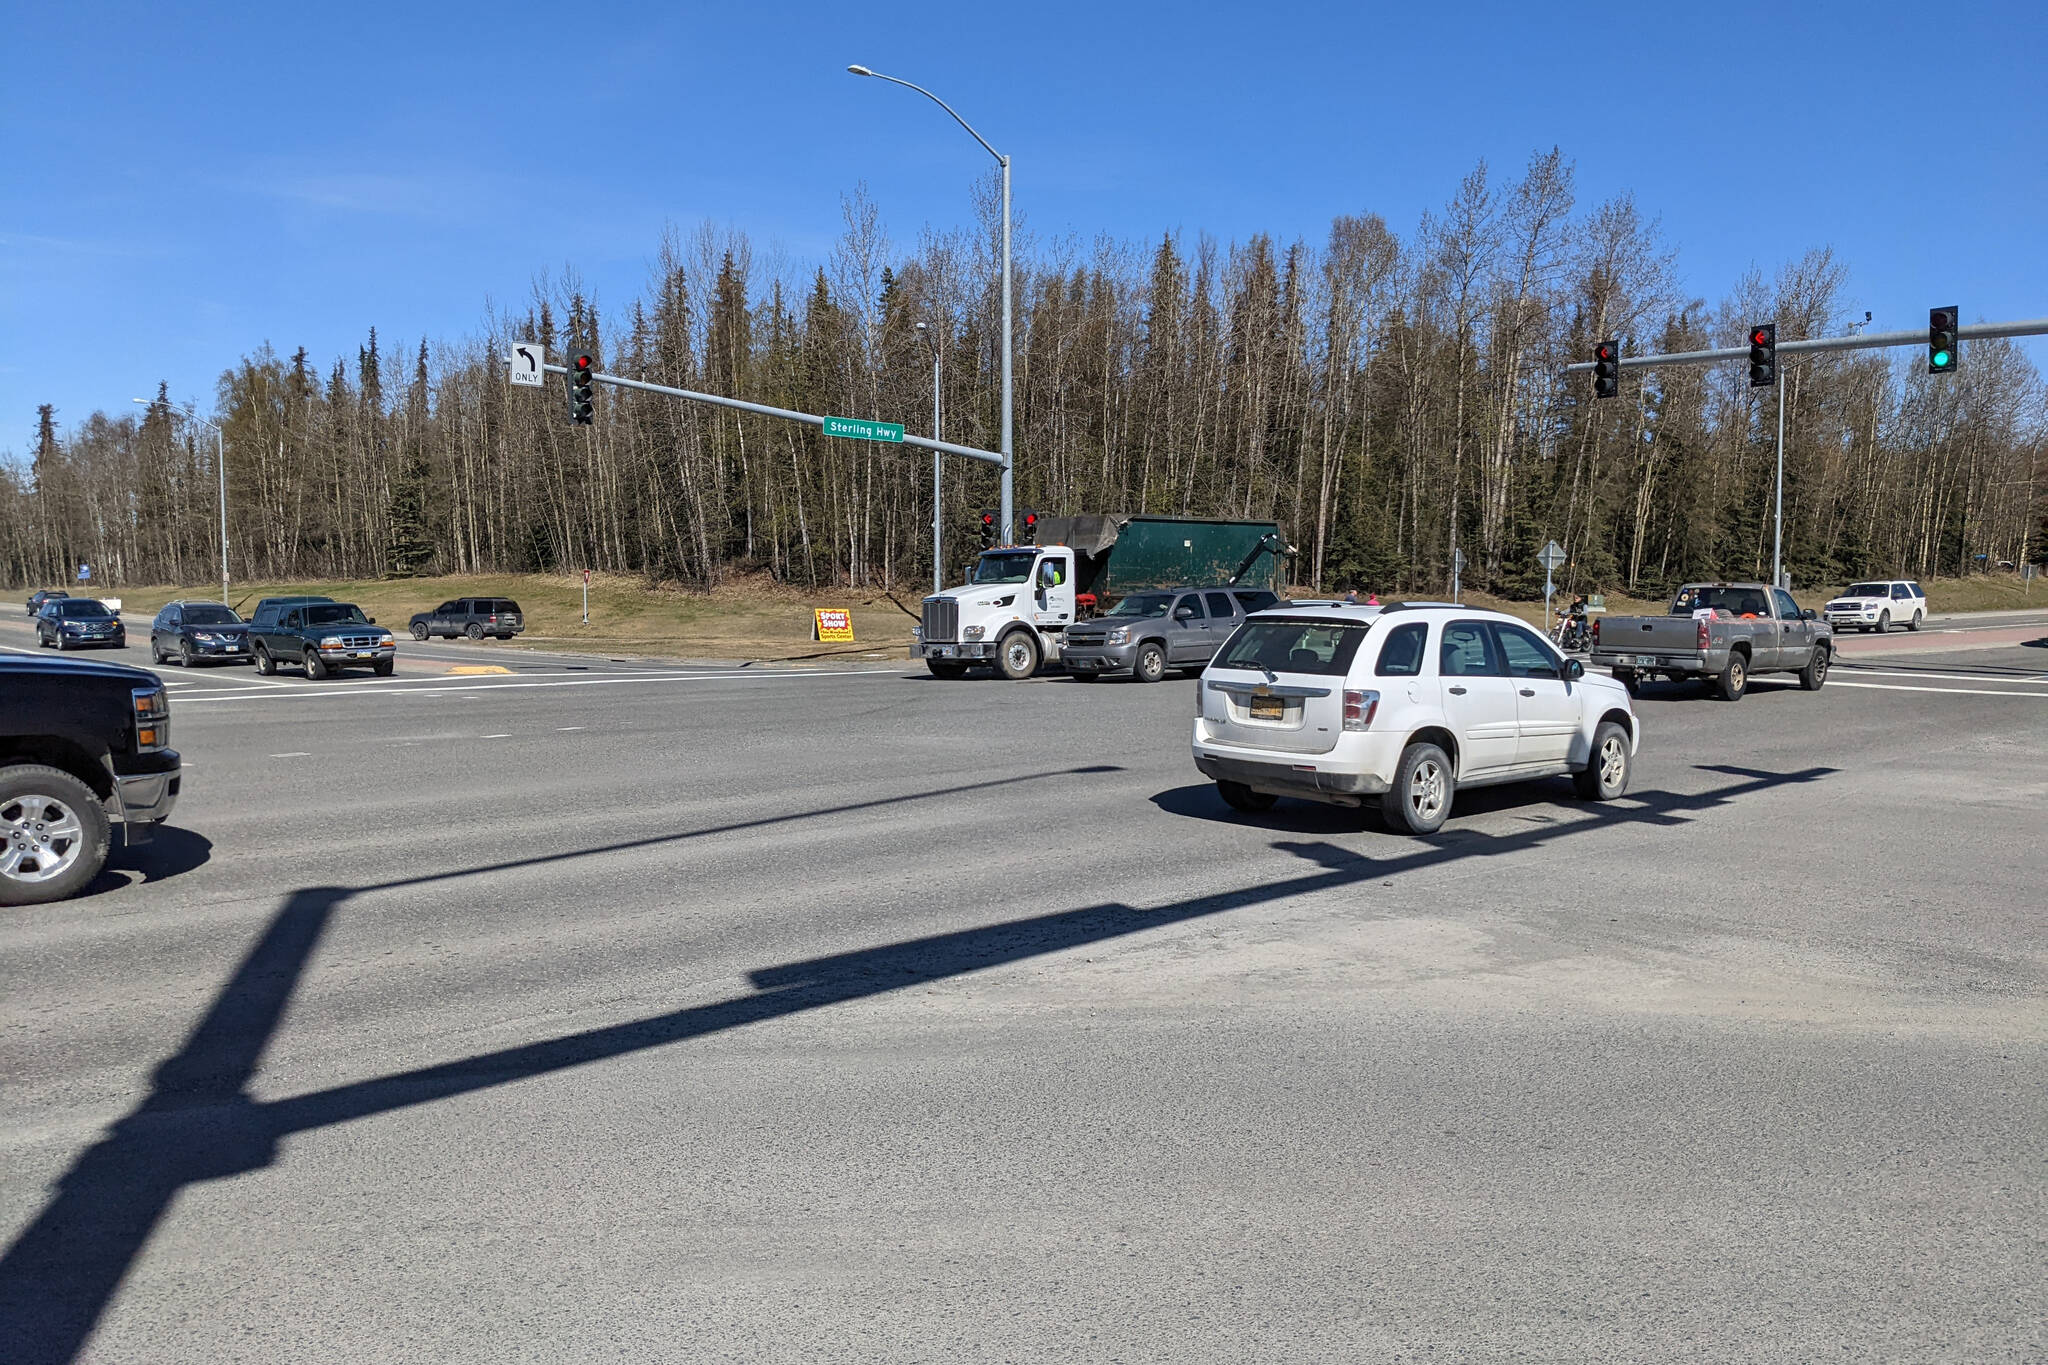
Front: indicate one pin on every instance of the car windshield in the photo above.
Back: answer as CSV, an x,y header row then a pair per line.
x,y
1869,590
1004,568
1734,601
1324,647
336,614
208,615
1144,605
83,609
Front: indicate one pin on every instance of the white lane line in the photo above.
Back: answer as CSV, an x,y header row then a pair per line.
x,y
1944,691
2041,678
565,729
299,753
494,736
414,690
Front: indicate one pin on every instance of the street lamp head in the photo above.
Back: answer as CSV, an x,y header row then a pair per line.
x,y
860,71
143,401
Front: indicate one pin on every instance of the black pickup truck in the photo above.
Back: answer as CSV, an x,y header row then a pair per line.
x,y
82,744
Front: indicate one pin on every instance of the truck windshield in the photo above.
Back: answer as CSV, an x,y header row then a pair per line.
x,y
1869,590
211,616
1734,601
83,609
1322,647
1004,568
1147,605
336,614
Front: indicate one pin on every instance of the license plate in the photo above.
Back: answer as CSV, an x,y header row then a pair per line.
x,y
361,654
1646,661
234,649
1267,708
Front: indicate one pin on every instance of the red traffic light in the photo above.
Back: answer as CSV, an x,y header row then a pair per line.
x,y
582,362
988,518
1759,337
1604,353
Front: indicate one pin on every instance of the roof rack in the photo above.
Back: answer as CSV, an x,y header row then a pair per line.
x,y
1416,606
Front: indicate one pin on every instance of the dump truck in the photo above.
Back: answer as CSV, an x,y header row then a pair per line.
x,y
1013,612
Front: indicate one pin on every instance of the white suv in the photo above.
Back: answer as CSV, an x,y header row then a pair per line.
x,y
1879,606
1405,703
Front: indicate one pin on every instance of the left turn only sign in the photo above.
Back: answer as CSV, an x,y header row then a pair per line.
x,y
527,358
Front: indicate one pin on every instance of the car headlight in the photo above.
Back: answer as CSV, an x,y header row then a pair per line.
x,y
973,632
386,640
330,642
208,636
1120,636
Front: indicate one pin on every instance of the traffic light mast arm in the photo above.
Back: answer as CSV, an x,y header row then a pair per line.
x,y
762,409
1869,341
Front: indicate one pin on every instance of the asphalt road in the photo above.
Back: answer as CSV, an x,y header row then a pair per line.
x,y
627,1012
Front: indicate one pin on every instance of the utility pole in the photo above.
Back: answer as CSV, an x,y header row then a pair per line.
x,y
938,487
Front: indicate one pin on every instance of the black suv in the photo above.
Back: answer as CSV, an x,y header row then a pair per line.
x,y
36,600
192,631
75,622
475,617
324,637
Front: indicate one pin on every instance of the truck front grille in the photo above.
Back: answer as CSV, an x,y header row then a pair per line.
x,y
941,620
358,641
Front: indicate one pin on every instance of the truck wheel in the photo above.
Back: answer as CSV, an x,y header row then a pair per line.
x,y
1734,679
316,667
1017,656
264,663
382,668
947,669
1914,624
1238,796
1816,671
1419,800
1884,623
1605,776
53,834
1628,679
419,630
1151,664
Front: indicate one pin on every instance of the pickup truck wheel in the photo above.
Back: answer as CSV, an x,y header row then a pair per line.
x,y
1816,671
1017,656
1151,664
419,630
316,667
382,668
946,668
1884,623
1238,796
1419,800
1629,680
1914,624
53,834
264,663
1734,679
1605,776
473,631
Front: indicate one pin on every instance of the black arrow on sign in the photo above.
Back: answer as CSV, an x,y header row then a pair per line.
x,y
530,365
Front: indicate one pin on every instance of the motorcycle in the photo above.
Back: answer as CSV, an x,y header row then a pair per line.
x,y
1572,635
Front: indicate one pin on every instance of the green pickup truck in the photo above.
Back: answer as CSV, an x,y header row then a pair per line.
x,y
321,637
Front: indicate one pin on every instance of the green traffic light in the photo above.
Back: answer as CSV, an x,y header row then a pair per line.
x,y
1941,359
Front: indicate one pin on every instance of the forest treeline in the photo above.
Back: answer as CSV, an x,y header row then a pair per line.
x,y
1384,397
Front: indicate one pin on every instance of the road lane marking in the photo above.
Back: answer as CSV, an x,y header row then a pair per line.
x,y
2041,678
494,736
565,729
1944,691
425,687
295,754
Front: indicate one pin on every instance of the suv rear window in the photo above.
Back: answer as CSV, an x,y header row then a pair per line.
x,y
1254,599
504,606
1401,656
1320,647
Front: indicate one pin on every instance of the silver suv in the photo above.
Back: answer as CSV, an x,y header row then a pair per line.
x,y
1149,632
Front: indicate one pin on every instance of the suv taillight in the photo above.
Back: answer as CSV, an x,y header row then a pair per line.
x,y
152,719
1359,707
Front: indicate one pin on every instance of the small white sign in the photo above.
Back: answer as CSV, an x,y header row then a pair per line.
x,y
527,358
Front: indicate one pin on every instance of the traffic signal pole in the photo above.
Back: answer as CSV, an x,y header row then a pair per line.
x,y
1869,341
786,414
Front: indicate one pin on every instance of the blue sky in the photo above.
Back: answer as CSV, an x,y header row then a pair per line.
x,y
186,182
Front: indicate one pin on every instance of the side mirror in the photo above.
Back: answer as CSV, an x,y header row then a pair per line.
x,y
1573,670
1809,615
373,620
1183,613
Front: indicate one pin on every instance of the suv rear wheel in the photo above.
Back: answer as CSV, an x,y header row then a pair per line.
x,y
419,630
473,631
1419,801
1238,796
53,834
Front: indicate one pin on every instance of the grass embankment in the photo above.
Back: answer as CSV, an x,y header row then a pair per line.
x,y
750,620
759,619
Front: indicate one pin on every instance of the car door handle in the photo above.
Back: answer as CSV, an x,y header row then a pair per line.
x,y
1528,691
1457,691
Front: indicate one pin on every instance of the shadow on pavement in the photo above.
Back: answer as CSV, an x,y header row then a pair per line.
x,y
170,852
199,1123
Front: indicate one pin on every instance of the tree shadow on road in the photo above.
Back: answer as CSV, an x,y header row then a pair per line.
x,y
199,1121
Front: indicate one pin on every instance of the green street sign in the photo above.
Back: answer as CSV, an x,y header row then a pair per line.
x,y
860,429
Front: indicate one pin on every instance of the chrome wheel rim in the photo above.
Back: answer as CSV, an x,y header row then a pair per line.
x,y
40,837
1018,655
1820,669
1613,763
1736,675
1426,790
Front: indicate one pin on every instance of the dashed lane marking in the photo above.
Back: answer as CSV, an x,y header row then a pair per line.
x,y
1944,691
297,753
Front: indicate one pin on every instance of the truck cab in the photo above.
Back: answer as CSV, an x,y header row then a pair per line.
x,y
1012,613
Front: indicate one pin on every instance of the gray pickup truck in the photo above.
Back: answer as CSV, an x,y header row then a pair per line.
x,y
1722,633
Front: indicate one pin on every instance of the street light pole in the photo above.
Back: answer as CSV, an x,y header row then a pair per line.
x,y
938,488
1009,461
220,465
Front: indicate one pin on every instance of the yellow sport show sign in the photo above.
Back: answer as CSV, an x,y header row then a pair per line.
x,y
832,627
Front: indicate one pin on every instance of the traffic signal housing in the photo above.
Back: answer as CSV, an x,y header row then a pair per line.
x,y
1607,369
988,529
1029,521
582,400
1763,355
1941,340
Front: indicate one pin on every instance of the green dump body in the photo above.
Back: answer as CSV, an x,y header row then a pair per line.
x,y
1120,555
